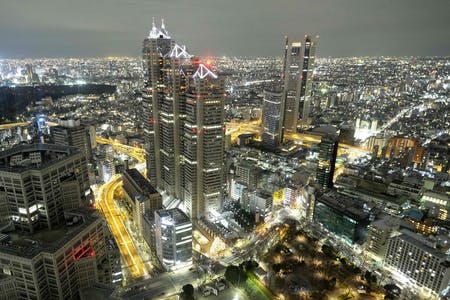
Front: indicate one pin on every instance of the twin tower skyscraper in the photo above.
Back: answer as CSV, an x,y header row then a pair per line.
x,y
184,131
287,108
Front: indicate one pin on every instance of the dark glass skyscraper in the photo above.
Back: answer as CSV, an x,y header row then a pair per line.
x,y
327,160
306,78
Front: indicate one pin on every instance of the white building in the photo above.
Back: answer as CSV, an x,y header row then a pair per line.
x,y
416,263
173,237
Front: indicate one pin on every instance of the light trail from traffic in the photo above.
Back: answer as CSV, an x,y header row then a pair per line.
x,y
114,217
238,128
13,125
134,152
129,252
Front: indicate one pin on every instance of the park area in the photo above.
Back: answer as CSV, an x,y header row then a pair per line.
x,y
300,268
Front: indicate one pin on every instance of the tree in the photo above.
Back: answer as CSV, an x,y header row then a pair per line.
x,y
276,268
249,265
235,275
346,296
188,292
368,276
332,282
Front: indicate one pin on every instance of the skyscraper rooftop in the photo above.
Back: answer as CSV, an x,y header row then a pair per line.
x,y
48,240
159,32
33,156
203,72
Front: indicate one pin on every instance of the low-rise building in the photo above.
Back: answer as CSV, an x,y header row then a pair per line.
x,y
343,216
173,237
378,235
415,261
142,196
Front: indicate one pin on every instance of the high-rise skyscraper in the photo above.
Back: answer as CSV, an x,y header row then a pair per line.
x,y
298,67
168,65
272,119
183,115
156,46
327,159
306,77
291,77
203,145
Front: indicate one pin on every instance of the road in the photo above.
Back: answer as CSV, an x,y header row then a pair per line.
x,y
115,218
135,152
13,125
237,128
166,284
129,252
22,124
170,283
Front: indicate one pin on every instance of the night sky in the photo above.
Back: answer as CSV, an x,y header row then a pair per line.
x,y
87,28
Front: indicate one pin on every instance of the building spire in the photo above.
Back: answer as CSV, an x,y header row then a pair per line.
x,y
203,72
160,32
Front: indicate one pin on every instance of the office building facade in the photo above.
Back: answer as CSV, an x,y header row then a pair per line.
x,y
173,237
156,46
291,78
39,181
411,257
327,160
142,197
59,265
345,217
272,119
298,67
203,143
72,133
184,124
306,78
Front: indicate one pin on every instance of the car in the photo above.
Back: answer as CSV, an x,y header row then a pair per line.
x,y
220,286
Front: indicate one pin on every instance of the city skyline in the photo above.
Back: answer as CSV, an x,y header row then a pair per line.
x,y
218,28
173,175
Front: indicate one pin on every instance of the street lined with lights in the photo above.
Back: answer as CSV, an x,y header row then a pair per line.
x,y
115,218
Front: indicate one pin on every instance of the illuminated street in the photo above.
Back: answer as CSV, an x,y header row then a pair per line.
x,y
135,152
115,218
281,165
13,125
133,262
237,128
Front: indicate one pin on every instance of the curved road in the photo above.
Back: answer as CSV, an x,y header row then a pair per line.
x,y
129,252
105,201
